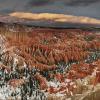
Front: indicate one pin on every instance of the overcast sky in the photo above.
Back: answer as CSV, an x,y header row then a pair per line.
x,y
90,8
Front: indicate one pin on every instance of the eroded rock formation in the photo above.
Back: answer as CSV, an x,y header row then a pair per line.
x,y
46,64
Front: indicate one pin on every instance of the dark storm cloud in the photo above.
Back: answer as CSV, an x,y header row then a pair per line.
x,y
64,2
90,8
40,2
80,2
